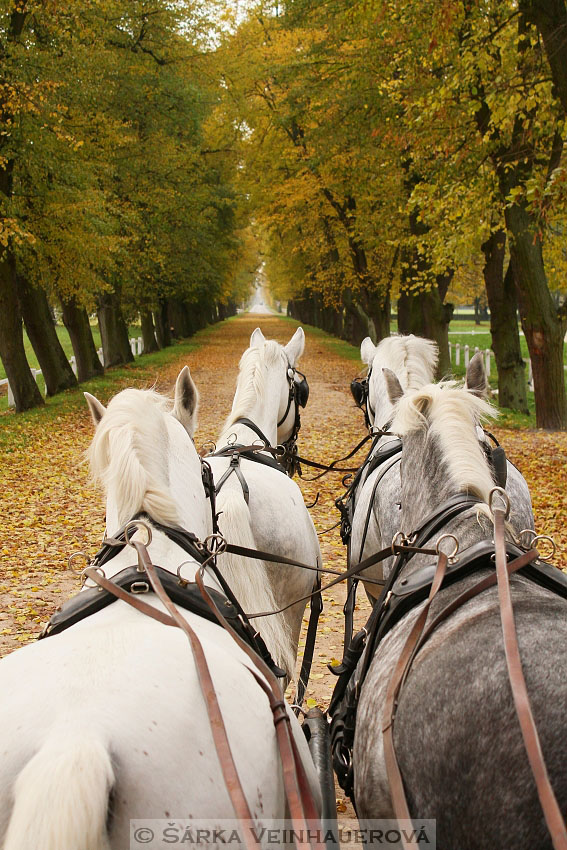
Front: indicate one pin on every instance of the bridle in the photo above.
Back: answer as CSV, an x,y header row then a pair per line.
x,y
298,394
360,389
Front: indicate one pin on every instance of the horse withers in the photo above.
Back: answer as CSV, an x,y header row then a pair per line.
x,y
457,737
105,723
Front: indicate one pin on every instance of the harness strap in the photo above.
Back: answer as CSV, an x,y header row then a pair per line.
x,y
218,728
300,800
332,467
548,801
133,601
234,466
243,420
395,780
316,609
418,637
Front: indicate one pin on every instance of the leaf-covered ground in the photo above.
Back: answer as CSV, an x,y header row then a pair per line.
x,y
50,510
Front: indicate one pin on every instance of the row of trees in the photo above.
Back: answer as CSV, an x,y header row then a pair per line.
x,y
390,147
117,191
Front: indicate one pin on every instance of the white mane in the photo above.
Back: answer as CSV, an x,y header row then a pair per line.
x,y
128,455
450,412
412,359
253,368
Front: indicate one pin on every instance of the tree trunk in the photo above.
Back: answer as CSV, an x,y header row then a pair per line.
x,y
55,367
113,330
377,306
148,332
24,388
357,324
163,331
502,299
178,318
76,320
424,314
544,329
550,17
332,321
12,351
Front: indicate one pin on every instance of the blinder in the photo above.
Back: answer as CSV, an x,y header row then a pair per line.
x,y
359,391
301,389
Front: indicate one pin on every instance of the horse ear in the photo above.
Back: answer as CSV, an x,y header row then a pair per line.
x,y
257,338
96,408
367,351
186,401
294,348
476,381
395,390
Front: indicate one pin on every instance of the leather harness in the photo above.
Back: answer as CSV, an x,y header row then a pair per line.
x,y
145,578
401,595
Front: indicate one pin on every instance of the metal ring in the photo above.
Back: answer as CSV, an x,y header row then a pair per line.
x,y
279,451
139,587
75,555
85,578
531,540
208,443
500,491
550,540
183,581
215,544
394,539
137,523
231,439
447,537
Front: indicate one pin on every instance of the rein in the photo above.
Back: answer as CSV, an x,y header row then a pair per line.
x,y
301,804
417,638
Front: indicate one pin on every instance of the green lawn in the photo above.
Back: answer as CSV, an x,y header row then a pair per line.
x,y
143,370
133,331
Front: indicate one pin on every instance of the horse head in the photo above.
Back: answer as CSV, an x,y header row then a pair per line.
x,y
270,389
143,455
412,358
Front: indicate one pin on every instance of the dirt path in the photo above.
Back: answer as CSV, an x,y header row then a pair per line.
x,y
50,510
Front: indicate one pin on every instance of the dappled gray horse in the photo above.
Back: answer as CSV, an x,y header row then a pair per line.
x,y
457,737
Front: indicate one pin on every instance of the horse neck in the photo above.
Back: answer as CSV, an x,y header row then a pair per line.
x,y
263,412
426,486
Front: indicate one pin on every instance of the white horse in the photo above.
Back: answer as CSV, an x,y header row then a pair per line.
x,y
275,520
377,501
377,498
105,722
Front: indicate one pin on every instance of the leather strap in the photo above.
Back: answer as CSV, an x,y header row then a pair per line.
x,y
302,806
316,608
133,601
220,737
395,780
548,801
234,466
415,641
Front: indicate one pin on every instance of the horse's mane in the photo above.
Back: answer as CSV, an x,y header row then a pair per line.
x,y
251,384
128,455
450,413
412,359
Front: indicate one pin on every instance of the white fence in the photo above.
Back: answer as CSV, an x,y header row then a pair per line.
x,y
456,349
136,346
